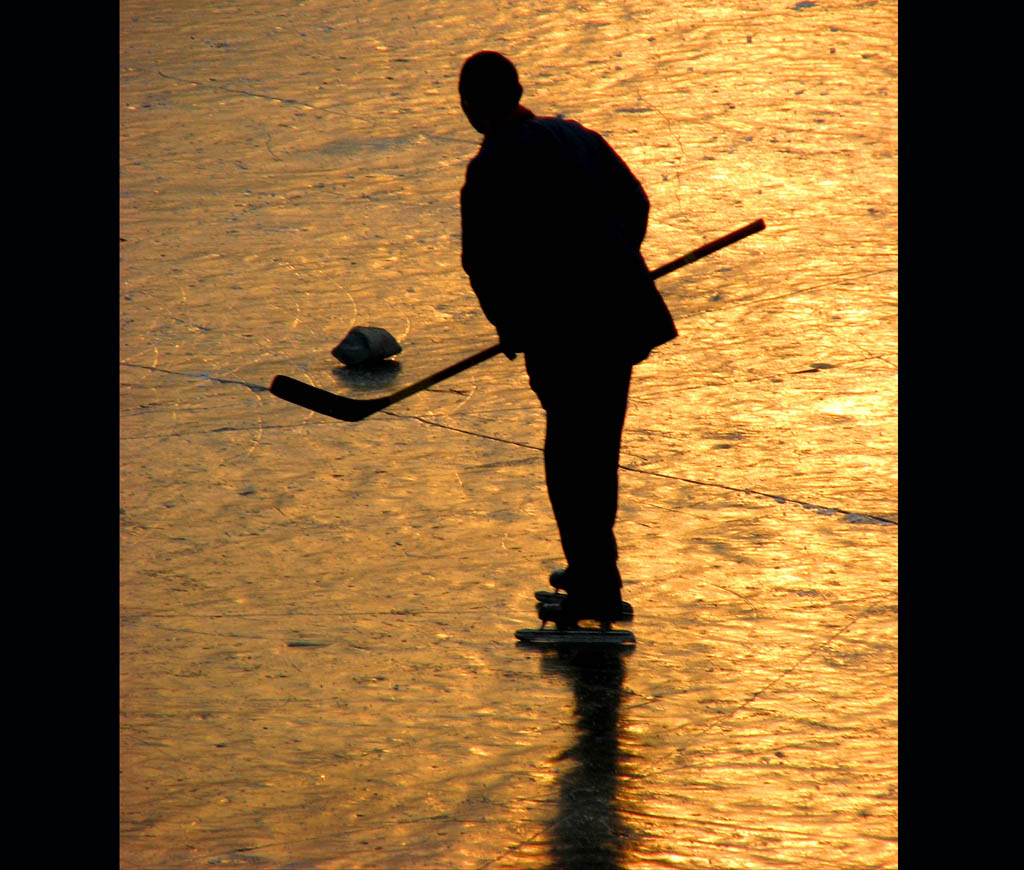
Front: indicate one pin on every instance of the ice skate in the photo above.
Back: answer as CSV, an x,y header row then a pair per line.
x,y
562,582
567,613
559,579
545,597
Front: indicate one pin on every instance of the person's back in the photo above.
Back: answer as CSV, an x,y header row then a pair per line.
x,y
552,223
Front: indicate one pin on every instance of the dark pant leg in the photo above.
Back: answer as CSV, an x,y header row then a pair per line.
x,y
586,410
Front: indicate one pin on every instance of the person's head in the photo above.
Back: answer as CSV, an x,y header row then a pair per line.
x,y
489,88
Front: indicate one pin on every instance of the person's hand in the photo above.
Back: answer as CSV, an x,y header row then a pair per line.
x,y
507,341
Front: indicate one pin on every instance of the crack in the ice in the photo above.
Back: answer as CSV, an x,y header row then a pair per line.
x,y
850,516
201,376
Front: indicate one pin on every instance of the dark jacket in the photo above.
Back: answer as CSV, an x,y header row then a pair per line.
x,y
552,222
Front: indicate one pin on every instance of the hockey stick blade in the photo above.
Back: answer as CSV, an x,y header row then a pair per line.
x,y
353,410
322,402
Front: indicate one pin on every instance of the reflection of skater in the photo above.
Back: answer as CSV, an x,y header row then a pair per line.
x,y
552,222
589,830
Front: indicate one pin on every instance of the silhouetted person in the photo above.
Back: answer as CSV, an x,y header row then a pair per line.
x,y
552,223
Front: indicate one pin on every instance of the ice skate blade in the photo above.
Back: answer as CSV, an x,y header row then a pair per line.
x,y
566,637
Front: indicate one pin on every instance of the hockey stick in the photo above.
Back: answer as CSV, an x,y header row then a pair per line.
x,y
352,410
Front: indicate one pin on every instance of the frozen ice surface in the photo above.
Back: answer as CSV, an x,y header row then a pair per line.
x,y
318,667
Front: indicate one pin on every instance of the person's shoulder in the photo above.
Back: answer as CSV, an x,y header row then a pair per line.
x,y
485,154
491,163
568,128
513,146
560,121
477,168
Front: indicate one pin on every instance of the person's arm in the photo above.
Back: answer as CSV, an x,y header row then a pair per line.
x,y
485,254
630,200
